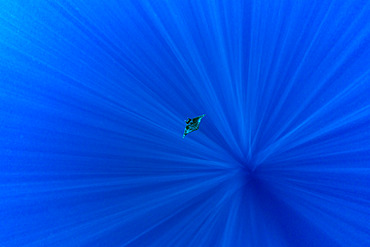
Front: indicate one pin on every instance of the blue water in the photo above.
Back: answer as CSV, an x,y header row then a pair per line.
x,y
93,98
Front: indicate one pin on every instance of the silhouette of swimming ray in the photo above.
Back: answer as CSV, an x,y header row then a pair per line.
x,y
192,124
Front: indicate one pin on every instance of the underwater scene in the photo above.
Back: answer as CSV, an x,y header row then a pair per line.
x,y
185,123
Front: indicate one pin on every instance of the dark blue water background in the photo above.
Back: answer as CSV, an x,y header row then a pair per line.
x,y
93,98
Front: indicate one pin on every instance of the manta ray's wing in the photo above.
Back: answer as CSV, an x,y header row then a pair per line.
x,y
198,119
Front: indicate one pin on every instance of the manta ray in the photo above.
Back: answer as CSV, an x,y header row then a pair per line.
x,y
192,124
